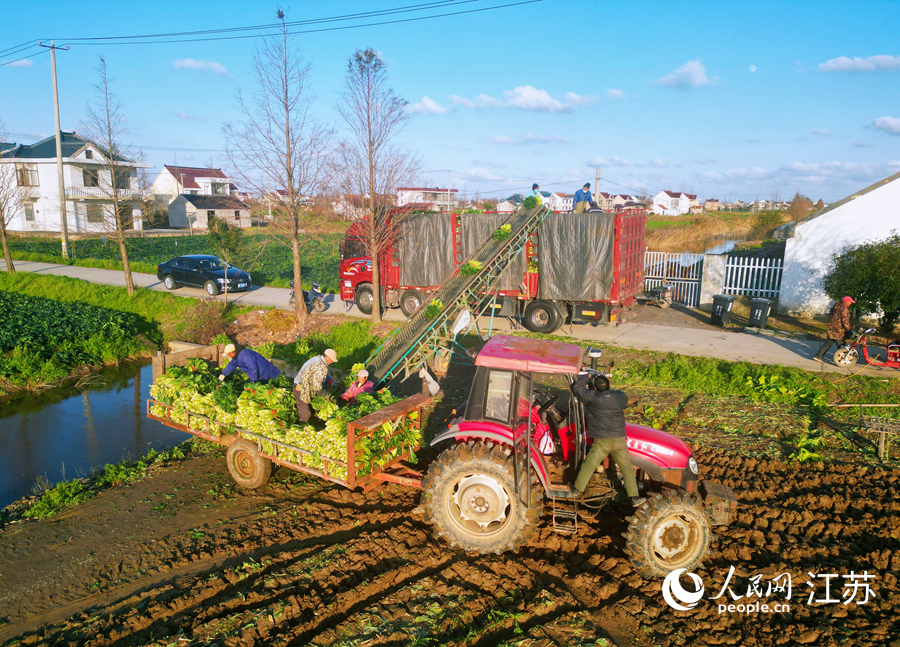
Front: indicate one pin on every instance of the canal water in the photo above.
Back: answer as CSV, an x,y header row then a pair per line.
x,y
66,433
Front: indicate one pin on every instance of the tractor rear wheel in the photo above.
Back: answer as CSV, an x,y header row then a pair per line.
x,y
469,497
670,531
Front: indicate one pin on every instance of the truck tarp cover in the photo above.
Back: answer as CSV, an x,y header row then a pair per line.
x,y
575,256
426,249
478,227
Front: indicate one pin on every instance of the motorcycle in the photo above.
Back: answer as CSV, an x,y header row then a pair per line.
x,y
661,296
848,353
314,298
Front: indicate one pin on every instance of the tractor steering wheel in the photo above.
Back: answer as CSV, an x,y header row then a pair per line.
x,y
547,405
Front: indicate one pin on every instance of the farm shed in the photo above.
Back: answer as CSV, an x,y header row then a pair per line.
x,y
870,214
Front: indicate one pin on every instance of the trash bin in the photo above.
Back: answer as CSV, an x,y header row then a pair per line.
x,y
759,312
721,311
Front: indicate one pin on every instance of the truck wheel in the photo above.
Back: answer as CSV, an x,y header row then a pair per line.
x,y
845,356
469,497
542,316
410,301
169,282
246,466
364,298
211,288
670,531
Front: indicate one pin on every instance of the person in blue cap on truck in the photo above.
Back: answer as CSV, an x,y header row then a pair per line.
x,y
583,199
256,367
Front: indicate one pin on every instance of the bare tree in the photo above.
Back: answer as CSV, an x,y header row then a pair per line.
x,y
104,126
278,148
371,166
10,199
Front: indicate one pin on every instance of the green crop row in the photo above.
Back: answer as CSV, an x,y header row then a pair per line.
x,y
269,262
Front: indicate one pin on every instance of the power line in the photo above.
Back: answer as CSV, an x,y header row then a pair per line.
x,y
98,41
24,58
10,51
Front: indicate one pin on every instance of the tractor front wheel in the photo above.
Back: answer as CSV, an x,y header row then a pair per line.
x,y
246,466
670,531
470,498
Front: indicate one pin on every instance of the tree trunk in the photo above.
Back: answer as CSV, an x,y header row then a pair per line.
x,y
299,301
120,235
10,268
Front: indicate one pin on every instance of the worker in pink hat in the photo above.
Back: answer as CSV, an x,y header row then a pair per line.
x,y
838,326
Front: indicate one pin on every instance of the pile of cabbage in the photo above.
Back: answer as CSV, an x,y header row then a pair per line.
x,y
268,410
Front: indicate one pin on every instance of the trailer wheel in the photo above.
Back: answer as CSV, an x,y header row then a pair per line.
x,y
670,531
246,466
542,316
469,496
845,356
410,301
365,298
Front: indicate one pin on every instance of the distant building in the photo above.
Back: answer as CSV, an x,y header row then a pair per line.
x,y
711,204
511,203
429,199
671,203
561,201
189,211
87,184
175,180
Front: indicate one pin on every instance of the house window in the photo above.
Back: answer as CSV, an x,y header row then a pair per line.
x,y
26,175
123,178
237,216
29,212
88,154
94,213
217,188
210,214
91,177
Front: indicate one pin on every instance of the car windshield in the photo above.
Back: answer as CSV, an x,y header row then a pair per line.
x,y
212,264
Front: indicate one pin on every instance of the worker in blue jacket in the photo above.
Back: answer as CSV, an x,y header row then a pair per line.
x,y
583,199
255,366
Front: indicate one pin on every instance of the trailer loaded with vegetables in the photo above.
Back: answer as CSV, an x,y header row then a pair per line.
x,y
516,446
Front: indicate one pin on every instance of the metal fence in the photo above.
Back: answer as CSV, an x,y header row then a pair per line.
x,y
683,271
753,277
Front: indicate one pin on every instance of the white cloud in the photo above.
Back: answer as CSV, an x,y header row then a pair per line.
x,y
658,163
879,63
615,160
483,174
499,139
527,97
187,117
426,106
202,66
543,139
821,132
690,75
22,62
890,125
862,144
613,93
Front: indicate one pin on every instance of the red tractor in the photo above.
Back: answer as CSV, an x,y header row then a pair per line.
x,y
522,436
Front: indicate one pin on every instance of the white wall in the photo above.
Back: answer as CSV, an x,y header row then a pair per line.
x,y
869,215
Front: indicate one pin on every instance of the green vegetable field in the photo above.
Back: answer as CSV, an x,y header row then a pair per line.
x,y
269,262
41,340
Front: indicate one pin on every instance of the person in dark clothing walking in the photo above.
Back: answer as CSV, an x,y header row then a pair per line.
x,y
605,414
838,326
255,366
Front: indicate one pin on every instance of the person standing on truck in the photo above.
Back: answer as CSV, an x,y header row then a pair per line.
x,y
583,199
605,414
311,378
838,326
256,367
536,193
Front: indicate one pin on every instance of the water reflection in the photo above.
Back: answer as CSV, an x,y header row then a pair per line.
x,y
65,433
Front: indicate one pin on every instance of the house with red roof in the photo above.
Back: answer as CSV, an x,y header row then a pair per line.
x,y
672,203
428,198
173,181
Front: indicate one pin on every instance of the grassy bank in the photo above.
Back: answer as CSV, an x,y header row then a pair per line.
x,y
269,262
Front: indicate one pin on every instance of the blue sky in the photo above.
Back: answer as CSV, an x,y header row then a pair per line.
x,y
730,100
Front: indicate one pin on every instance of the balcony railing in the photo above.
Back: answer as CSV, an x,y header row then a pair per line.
x,y
103,194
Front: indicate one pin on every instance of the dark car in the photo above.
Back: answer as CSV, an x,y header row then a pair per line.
x,y
202,271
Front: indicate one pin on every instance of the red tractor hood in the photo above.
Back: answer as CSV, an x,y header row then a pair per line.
x,y
657,446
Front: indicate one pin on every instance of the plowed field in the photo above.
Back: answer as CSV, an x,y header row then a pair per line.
x,y
183,558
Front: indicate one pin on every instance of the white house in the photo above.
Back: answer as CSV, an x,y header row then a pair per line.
x,y
560,201
510,204
190,211
175,180
87,184
870,214
671,203
431,199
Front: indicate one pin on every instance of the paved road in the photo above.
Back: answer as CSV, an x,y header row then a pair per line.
x,y
703,342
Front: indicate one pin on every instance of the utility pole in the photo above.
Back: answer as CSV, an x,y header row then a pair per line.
x,y
448,191
59,164
597,189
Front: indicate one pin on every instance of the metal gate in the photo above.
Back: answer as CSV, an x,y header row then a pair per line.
x,y
683,271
